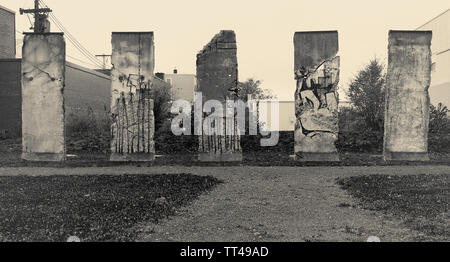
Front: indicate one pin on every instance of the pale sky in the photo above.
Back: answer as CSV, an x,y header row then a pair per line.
x,y
264,30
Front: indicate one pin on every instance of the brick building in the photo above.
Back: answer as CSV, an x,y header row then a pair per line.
x,y
440,46
7,33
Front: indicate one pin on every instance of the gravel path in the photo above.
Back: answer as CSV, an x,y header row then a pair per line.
x,y
267,204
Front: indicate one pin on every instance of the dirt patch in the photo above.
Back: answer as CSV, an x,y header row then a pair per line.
x,y
280,204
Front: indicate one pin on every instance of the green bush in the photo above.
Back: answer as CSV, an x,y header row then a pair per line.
x,y
439,134
167,143
360,142
362,125
355,136
88,131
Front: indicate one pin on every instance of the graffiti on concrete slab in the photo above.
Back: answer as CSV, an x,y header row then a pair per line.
x,y
317,105
133,127
133,119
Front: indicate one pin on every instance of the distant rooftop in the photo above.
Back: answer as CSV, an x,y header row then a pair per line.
x,y
7,9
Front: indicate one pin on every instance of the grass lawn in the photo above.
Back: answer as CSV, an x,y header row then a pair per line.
x,y
93,208
421,202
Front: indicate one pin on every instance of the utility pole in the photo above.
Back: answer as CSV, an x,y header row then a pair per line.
x,y
104,59
40,16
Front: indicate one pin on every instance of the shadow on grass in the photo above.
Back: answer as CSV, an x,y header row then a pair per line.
x,y
420,201
93,208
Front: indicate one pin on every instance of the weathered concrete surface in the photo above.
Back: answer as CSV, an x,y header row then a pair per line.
x,y
316,98
407,99
133,124
43,78
217,77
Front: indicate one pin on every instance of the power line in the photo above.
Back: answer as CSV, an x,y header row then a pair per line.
x,y
29,20
73,40
81,61
105,57
75,43
82,50
40,16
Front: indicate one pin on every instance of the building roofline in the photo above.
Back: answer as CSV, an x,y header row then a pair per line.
x,y
180,74
155,76
46,33
7,9
10,59
68,64
87,70
131,32
443,13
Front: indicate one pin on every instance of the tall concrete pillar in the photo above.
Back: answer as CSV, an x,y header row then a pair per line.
x,y
217,79
407,99
43,76
316,98
133,123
